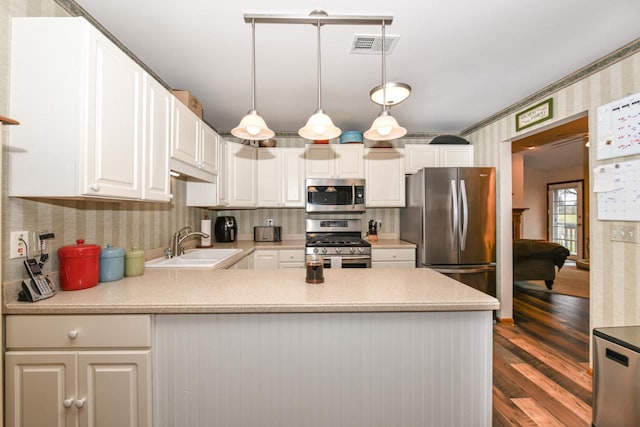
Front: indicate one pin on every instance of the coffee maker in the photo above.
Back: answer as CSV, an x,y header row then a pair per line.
x,y
226,229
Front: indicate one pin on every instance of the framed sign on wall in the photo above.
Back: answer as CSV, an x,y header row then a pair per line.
x,y
534,115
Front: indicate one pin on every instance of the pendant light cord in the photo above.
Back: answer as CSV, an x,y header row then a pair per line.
x,y
319,70
253,64
384,73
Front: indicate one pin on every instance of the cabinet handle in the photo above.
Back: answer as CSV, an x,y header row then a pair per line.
x,y
72,335
95,187
80,403
67,403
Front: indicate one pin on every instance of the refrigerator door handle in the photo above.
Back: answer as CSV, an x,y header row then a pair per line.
x,y
465,216
454,213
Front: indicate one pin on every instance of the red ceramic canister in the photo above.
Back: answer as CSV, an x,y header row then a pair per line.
x,y
79,266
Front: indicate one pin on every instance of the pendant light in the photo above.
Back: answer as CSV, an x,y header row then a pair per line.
x,y
319,126
252,126
384,127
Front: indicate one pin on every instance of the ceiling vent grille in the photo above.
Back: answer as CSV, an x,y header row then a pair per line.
x,y
372,44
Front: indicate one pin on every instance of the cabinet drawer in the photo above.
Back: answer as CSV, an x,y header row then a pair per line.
x,y
289,255
61,331
393,255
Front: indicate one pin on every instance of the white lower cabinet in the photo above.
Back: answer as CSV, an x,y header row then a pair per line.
x,y
272,259
78,371
265,259
245,263
291,258
393,258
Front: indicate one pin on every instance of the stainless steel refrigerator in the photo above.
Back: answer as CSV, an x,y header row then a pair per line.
x,y
451,216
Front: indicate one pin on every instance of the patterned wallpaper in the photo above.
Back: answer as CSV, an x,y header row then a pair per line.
x,y
615,277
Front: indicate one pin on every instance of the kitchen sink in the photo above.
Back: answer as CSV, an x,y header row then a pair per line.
x,y
196,258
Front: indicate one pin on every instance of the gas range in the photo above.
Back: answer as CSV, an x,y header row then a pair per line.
x,y
338,238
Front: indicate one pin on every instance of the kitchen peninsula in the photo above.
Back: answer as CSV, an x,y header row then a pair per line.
x,y
373,347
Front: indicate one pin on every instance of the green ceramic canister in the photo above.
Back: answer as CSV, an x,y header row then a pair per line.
x,y
134,262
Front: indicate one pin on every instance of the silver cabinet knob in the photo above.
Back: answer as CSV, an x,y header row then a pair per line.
x,y
67,403
80,403
72,335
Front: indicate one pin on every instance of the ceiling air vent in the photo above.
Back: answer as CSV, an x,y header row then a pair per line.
x,y
372,44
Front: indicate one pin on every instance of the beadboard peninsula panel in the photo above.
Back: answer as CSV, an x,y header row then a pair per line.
x,y
323,369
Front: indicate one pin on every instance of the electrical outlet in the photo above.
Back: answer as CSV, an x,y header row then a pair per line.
x,y
17,248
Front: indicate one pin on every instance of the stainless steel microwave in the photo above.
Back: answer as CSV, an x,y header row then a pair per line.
x,y
335,195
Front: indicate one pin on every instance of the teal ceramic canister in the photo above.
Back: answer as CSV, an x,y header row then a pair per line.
x,y
111,264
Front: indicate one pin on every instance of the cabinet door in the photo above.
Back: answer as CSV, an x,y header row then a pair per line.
x,y
114,138
420,156
157,119
185,143
39,386
209,150
456,155
385,177
270,175
293,175
349,161
265,259
114,388
222,181
241,175
319,161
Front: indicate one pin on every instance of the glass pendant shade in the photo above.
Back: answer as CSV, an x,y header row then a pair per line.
x,y
252,127
384,128
319,126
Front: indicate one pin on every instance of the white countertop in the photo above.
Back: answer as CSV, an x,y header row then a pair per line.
x,y
264,291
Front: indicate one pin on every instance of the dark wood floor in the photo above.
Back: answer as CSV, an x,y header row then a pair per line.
x,y
540,364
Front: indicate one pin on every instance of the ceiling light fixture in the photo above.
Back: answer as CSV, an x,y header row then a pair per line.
x,y
384,127
319,126
396,93
252,126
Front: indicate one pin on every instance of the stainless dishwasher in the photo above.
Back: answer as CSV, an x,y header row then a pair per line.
x,y
616,376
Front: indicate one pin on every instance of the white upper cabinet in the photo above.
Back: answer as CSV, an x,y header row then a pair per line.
x,y
281,177
419,156
83,98
157,141
194,145
335,161
384,169
241,175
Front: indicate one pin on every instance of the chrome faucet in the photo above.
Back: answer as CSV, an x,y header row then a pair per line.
x,y
175,242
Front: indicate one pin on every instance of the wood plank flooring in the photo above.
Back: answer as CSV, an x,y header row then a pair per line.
x,y
540,363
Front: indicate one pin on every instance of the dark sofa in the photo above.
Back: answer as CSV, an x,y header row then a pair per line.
x,y
537,260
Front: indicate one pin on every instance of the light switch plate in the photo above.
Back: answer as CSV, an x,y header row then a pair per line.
x,y
625,233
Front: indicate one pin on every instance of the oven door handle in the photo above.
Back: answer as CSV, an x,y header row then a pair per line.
x,y
346,257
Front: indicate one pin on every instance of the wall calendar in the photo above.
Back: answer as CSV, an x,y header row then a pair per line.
x,y
618,188
619,128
